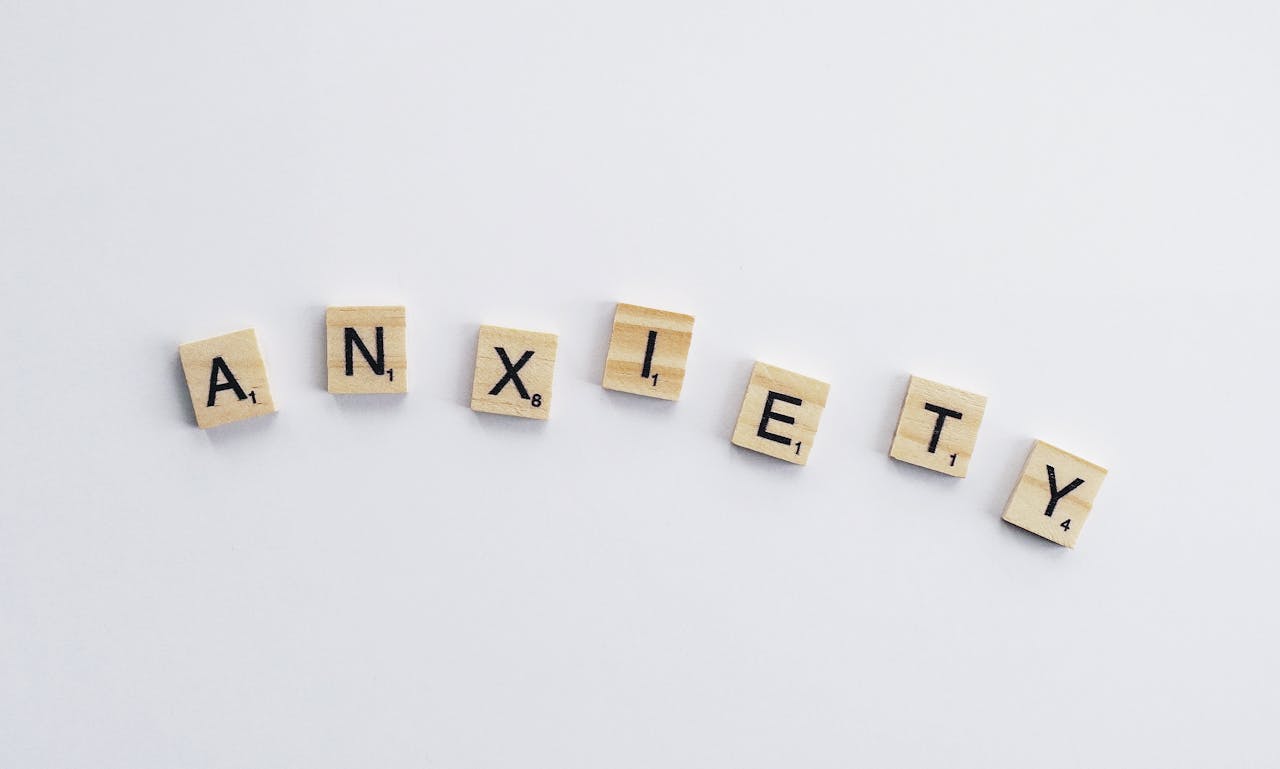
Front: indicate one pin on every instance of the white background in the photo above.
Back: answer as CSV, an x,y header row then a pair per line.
x,y
1070,207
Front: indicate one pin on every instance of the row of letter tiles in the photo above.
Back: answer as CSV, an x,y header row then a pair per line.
x,y
648,352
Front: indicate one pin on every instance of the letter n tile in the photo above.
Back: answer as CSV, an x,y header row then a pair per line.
x,y
366,349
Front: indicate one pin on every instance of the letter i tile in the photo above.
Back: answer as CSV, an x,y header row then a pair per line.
x,y
648,352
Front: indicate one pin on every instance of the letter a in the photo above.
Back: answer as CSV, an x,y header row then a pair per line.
x,y
220,366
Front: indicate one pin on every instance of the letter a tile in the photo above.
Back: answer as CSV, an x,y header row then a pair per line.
x,y
1054,494
938,427
648,352
366,349
514,371
227,378
780,413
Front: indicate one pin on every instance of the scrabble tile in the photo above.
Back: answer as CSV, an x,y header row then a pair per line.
x,y
366,349
227,378
648,352
938,427
780,413
514,370
1054,494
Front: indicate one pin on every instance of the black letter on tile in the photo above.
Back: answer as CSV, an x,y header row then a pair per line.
x,y
770,414
378,363
1054,494
511,375
647,372
942,413
220,365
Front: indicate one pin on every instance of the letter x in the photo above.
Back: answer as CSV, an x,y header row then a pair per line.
x,y
511,375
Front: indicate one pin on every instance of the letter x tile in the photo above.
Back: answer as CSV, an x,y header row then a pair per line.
x,y
514,371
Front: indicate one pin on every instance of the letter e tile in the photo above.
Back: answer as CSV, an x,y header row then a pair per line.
x,y
780,413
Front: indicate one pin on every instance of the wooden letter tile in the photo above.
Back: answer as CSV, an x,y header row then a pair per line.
x,y
648,352
514,370
938,427
227,378
1054,494
780,413
366,349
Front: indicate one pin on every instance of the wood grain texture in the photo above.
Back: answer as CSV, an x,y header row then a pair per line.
x,y
1048,473
938,427
534,375
229,371
648,352
388,371
772,422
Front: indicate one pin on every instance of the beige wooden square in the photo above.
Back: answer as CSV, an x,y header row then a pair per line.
x,y
366,349
227,378
1054,494
938,427
780,413
514,371
648,352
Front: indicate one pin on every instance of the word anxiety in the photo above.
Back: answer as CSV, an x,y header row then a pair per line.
x,y
937,428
